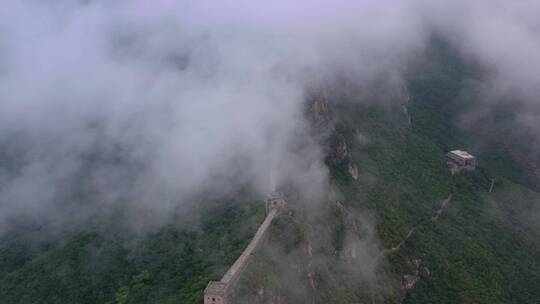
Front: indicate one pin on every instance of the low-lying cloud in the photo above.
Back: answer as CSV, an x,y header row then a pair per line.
x,y
148,103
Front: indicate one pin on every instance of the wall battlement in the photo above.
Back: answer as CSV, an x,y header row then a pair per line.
x,y
221,292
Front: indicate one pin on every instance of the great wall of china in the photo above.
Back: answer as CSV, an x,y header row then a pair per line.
x,y
221,292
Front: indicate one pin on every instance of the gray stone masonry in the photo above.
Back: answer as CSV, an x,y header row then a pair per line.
x,y
221,292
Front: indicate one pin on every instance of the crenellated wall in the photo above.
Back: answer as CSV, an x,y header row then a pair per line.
x,y
220,292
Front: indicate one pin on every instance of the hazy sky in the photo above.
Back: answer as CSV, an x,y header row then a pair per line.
x,y
151,102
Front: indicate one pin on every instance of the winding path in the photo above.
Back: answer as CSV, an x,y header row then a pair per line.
x,y
435,218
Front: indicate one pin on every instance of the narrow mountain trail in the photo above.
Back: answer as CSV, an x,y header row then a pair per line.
x,y
411,279
444,205
398,246
419,269
410,233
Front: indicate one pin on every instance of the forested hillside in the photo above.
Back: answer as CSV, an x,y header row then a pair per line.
x,y
375,239
103,263
445,239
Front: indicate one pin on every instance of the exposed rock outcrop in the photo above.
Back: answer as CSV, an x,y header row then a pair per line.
x,y
419,271
341,150
353,171
409,281
320,110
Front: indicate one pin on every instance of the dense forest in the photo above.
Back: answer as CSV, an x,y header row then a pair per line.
x,y
482,249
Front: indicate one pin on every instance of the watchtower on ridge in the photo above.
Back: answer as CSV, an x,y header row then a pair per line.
x,y
216,293
459,160
275,200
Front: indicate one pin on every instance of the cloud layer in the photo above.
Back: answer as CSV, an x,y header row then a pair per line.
x,y
148,103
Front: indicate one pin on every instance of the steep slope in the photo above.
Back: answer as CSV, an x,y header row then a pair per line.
x,y
477,251
442,238
395,227
103,263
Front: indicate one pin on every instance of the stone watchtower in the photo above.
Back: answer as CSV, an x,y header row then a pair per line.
x,y
458,160
276,201
216,293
